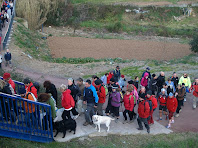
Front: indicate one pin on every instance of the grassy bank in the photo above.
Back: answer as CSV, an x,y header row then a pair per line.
x,y
179,140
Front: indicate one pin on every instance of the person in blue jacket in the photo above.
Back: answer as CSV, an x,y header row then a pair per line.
x,y
91,100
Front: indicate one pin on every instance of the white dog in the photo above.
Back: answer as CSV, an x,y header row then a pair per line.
x,y
97,120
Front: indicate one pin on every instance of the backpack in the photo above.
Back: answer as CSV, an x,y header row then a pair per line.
x,y
134,98
106,89
36,85
150,104
32,96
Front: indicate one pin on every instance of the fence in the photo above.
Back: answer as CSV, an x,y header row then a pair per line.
x,y
6,37
24,119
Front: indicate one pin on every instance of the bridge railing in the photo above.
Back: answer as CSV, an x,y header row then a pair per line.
x,y
24,119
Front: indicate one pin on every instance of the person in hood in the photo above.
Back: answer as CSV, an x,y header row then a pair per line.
x,y
171,105
186,80
144,81
148,71
68,103
194,88
153,84
162,103
102,96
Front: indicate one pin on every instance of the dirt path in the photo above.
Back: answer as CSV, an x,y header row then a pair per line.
x,y
78,47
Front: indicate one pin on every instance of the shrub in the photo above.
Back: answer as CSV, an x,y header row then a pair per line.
x,y
194,44
114,27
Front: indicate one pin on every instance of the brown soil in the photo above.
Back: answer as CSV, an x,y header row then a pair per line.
x,y
78,47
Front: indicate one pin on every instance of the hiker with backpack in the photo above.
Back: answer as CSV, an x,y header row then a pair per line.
x,y
171,104
180,98
94,78
50,88
162,103
28,107
143,113
145,80
117,74
129,105
153,105
194,88
30,87
101,95
115,101
135,97
109,77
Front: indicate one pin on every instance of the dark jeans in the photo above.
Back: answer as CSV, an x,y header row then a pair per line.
x,y
129,113
179,106
145,121
89,112
66,113
109,106
99,109
115,111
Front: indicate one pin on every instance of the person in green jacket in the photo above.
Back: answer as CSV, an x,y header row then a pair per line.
x,y
48,99
185,79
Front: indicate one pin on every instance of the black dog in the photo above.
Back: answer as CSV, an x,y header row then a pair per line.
x,y
65,125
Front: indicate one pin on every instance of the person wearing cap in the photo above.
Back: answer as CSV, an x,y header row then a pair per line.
x,y
115,101
117,73
153,84
180,92
148,71
8,57
175,79
162,103
170,86
109,77
80,106
143,113
104,78
129,105
171,105
194,88
7,78
28,107
101,95
121,82
144,80
151,98
186,80
91,100
30,87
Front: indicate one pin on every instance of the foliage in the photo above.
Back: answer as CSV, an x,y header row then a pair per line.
x,y
194,44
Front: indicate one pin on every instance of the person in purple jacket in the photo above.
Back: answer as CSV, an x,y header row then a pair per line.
x,y
115,101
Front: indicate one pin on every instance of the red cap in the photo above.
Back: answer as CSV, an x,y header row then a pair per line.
x,y
122,76
6,75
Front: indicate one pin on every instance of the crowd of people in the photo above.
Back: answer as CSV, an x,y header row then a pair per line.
x,y
88,97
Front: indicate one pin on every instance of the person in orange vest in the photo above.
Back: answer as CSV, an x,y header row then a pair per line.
x,y
151,98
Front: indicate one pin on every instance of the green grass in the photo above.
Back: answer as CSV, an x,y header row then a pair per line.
x,y
114,1
178,140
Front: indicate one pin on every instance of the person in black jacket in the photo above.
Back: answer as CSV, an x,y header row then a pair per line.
x,y
175,79
51,88
160,82
75,91
117,74
153,84
8,57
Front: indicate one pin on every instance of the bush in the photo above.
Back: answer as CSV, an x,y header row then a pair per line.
x,y
194,44
114,27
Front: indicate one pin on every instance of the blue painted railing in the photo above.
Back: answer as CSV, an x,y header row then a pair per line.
x,y
24,119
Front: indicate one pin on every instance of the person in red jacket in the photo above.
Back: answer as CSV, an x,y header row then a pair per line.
x,y
144,112
171,104
151,98
68,103
194,87
30,87
94,78
7,78
109,77
129,105
162,103
102,96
